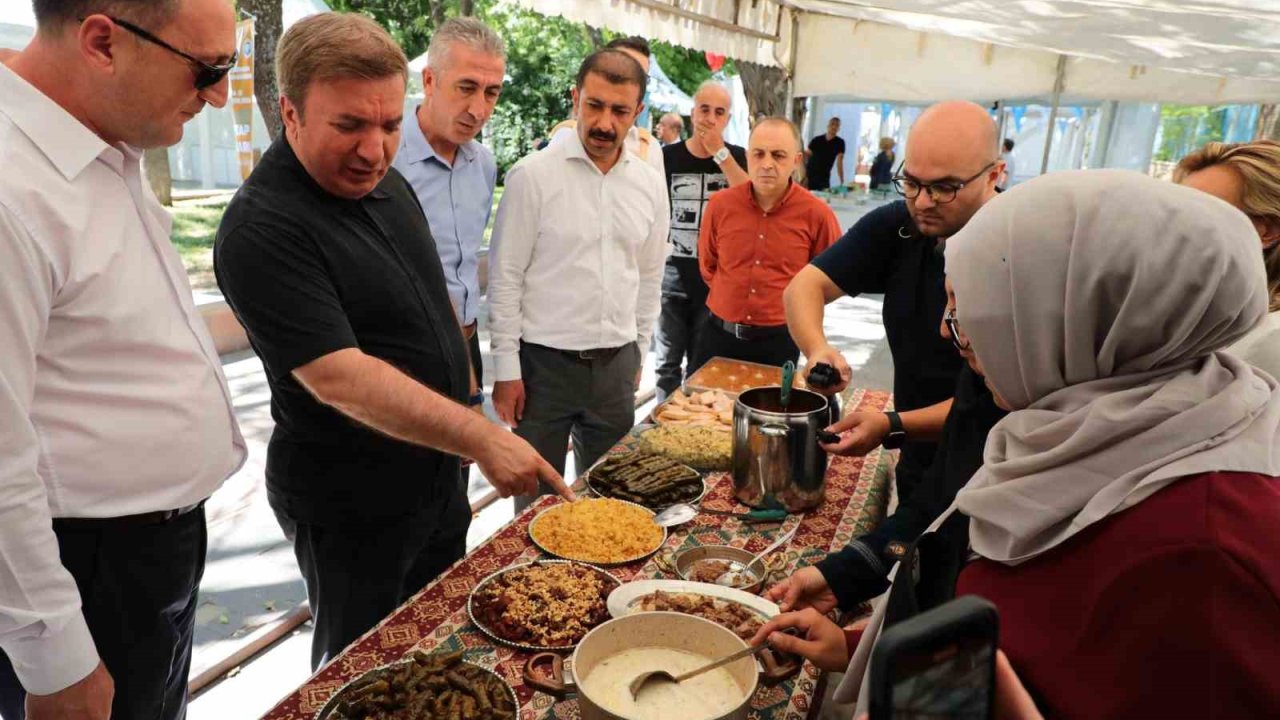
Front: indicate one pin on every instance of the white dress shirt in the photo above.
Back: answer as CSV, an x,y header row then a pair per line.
x,y
577,255
112,398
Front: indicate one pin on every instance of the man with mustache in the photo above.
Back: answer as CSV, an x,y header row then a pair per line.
x,y
949,173
574,274
326,258
755,237
115,419
452,174
638,140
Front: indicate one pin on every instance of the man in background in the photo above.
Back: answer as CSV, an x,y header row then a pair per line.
x,y
115,418
696,169
574,275
1007,155
825,151
670,129
755,237
452,174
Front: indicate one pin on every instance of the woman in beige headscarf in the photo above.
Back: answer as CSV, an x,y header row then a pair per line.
x,y
1124,520
1247,175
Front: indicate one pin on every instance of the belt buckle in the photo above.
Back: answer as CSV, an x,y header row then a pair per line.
x,y
737,331
587,355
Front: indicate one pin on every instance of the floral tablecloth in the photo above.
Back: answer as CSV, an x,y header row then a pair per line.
x,y
436,618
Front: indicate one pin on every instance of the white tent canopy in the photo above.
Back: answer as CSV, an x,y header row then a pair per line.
x,y
1202,52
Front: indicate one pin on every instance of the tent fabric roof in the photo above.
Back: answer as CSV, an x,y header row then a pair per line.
x,y
1190,51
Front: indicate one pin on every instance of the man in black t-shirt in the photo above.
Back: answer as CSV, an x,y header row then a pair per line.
x,y
695,169
325,256
825,151
948,176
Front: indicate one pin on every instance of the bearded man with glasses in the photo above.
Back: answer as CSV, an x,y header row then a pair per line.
x,y
944,409
117,422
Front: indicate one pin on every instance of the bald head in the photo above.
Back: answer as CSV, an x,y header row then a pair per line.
x,y
953,136
713,92
711,105
953,148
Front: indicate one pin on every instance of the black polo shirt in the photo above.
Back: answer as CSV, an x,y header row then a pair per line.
x,y
308,274
875,257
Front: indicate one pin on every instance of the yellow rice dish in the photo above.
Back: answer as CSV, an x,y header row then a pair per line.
x,y
599,530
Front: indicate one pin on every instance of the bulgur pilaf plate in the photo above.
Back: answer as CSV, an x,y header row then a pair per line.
x,y
603,531
541,599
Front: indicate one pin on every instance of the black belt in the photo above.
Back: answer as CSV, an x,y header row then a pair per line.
x,y
159,517
749,332
585,355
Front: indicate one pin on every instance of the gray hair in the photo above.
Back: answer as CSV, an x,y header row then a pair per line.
x,y
712,84
466,31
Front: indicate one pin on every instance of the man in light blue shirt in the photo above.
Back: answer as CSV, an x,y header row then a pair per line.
x,y
452,174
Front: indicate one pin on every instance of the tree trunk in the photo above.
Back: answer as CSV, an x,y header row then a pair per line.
x,y
798,112
437,13
466,8
155,162
766,89
1268,128
267,31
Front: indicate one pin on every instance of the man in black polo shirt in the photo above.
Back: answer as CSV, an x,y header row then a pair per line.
x,y
897,250
825,151
325,257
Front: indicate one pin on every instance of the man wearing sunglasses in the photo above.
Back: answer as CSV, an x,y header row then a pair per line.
x,y
894,250
948,174
116,420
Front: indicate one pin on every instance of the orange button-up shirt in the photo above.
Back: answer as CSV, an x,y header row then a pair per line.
x,y
747,255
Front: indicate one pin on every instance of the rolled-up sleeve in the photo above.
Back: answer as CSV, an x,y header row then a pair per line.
x,y
511,249
42,628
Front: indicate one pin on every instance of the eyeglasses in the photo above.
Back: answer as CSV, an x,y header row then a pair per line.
x,y
953,329
206,75
940,192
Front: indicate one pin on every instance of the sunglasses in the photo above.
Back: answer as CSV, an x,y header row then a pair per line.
x,y
206,75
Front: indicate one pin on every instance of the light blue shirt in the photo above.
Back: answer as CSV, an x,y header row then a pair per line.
x,y
457,201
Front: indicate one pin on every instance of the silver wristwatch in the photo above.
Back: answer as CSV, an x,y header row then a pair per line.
x,y
721,155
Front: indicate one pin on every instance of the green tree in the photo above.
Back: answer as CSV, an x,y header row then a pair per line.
x,y
686,67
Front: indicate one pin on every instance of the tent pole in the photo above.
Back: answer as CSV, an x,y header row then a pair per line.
x,y
791,71
1058,83
999,108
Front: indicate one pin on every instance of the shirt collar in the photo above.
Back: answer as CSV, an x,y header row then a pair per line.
x,y
414,144
575,150
792,187
64,140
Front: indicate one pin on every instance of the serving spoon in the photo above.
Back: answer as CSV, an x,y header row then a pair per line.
x,y
654,677
733,577
681,513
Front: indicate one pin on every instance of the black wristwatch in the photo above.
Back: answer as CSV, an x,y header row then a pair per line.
x,y
897,436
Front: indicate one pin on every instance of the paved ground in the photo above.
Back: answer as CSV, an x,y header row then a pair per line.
x,y
252,578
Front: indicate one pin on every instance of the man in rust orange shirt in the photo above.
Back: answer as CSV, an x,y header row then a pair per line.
x,y
755,237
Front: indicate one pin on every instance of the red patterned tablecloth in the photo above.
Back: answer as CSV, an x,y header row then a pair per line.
x,y
436,618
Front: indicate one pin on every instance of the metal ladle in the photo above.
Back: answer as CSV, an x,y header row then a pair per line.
x,y
681,513
653,677
733,577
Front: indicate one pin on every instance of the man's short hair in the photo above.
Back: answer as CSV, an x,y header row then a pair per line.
x,y
614,66
147,14
709,84
466,31
835,120
1008,144
332,46
776,120
635,43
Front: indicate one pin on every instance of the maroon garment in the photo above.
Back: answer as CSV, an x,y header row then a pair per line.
x,y
1170,609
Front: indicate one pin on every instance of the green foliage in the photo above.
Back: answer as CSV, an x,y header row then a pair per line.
x,y
1184,128
408,21
687,68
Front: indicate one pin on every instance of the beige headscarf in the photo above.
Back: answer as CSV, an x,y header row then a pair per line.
x,y
1095,301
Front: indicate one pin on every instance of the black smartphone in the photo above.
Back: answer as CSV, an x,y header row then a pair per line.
x,y
939,665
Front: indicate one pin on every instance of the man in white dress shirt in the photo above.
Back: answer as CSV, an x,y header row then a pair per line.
x,y
574,274
115,420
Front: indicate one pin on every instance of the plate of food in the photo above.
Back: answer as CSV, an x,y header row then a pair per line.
x,y
739,611
426,686
734,376
697,447
653,481
603,531
709,408
542,605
